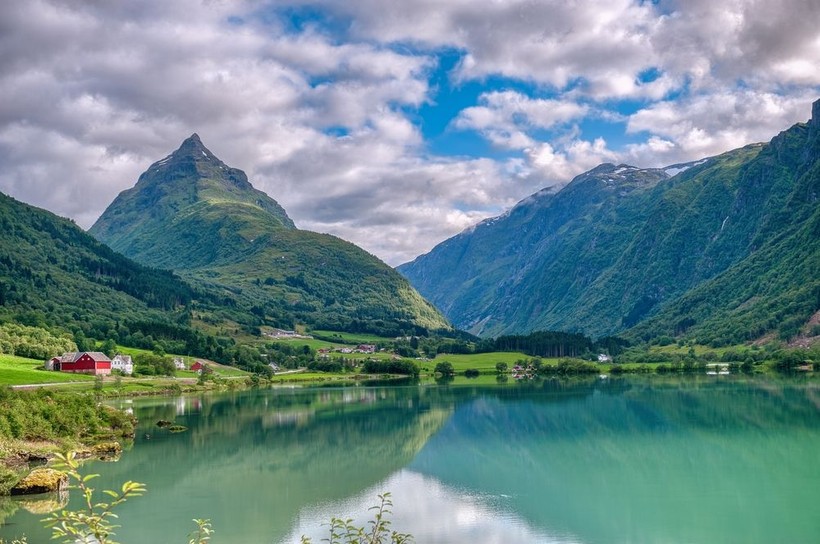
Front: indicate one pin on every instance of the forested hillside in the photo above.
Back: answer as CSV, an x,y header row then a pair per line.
x,y
53,273
726,250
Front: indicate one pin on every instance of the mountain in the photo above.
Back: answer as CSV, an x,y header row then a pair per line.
x,y
726,248
192,213
52,273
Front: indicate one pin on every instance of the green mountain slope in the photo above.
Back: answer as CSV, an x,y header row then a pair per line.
x,y
620,245
200,199
524,270
192,213
53,273
776,287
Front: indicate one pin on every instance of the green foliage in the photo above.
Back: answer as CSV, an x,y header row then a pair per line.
x,y
205,374
545,344
33,342
95,522
53,416
391,366
501,367
344,531
576,366
445,368
8,479
53,274
109,347
153,365
203,532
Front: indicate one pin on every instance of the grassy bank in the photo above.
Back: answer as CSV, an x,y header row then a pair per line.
x,y
19,370
35,424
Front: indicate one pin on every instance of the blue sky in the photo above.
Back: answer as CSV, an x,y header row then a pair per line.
x,y
394,125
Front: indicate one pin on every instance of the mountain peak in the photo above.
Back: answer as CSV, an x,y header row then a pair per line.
x,y
191,184
193,146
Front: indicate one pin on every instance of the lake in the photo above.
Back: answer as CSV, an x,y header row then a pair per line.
x,y
679,460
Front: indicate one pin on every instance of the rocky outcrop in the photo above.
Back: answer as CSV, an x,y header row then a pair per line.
x,y
41,480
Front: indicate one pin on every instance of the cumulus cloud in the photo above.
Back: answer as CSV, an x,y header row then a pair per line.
x,y
710,124
504,117
325,117
607,44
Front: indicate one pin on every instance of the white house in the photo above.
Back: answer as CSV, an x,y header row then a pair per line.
x,y
604,358
179,363
122,363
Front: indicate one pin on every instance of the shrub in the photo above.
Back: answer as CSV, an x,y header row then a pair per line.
x,y
445,368
394,366
344,532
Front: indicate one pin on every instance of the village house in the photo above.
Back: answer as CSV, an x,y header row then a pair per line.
x,y
366,348
198,366
179,363
281,333
82,362
122,363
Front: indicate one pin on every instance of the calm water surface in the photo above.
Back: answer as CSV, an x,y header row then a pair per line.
x,y
601,461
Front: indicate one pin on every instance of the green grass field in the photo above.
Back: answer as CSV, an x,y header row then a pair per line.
x,y
21,371
699,350
312,343
310,377
483,362
352,338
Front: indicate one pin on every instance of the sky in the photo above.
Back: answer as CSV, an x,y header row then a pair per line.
x,y
393,125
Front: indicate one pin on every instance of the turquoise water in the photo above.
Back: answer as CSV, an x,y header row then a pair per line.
x,y
599,461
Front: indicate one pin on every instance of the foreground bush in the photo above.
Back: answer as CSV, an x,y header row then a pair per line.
x,y
57,416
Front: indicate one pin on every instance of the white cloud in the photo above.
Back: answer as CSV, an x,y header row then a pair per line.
x,y
324,118
709,124
574,157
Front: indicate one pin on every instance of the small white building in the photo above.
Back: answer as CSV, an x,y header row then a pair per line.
x,y
122,363
179,363
604,358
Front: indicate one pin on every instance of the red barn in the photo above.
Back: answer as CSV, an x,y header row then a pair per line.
x,y
84,362
197,366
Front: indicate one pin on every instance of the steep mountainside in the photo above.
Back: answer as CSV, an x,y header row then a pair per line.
x,y
192,213
490,280
53,273
729,244
214,213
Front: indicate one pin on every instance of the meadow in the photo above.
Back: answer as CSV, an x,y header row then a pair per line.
x,y
16,370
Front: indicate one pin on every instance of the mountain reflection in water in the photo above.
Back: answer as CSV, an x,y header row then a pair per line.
x,y
598,461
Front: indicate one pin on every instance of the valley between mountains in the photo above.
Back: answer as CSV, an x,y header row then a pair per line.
x,y
720,251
